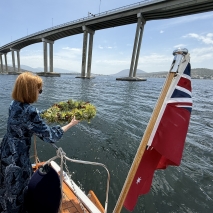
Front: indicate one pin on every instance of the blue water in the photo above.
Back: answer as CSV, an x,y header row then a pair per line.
x,y
113,136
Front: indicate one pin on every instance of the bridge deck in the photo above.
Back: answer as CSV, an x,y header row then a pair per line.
x,y
152,10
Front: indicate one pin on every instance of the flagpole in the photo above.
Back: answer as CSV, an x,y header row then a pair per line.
x,y
148,130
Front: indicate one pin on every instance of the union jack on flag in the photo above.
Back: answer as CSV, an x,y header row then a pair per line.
x,y
182,94
179,97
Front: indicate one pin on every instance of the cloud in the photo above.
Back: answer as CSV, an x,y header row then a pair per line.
x,y
34,61
72,49
113,62
206,39
31,51
187,19
200,57
106,47
67,58
74,64
155,58
155,62
179,45
161,31
201,54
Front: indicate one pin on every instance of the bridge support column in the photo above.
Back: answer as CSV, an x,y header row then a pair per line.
x,y
51,57
1,68
136,51
137,45
89,63
45,55
13,61
84,52
18,60
5,59
45,50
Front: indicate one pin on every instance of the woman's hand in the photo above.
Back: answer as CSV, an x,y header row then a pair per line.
x,y
73,122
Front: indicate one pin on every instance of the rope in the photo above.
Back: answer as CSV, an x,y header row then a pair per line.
x,y
62,155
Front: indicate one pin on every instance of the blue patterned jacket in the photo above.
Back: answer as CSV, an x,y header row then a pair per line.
x,y
16,170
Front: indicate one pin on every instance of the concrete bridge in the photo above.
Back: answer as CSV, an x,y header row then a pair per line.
x,y
139,13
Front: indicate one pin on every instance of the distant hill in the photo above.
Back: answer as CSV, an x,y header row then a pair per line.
x,y
152,74
125,73
25,67
40,69
202,72
199,73
11,69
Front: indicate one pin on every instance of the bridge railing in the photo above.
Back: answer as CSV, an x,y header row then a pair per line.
x,y
109,12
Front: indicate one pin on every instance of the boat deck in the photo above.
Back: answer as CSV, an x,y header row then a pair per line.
x,y
70,203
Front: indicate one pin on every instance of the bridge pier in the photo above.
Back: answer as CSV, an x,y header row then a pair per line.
x,y
136,51
84,52
51,57
89,63
1,68
137,45
5,59
45,50
45,42
45,55
1,62
13,59
18,60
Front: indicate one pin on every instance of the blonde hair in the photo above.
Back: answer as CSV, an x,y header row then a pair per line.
x,y
26,88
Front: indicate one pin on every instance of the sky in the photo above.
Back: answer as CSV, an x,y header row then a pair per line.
x,y
112,47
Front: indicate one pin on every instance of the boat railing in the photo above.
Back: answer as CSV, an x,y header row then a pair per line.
x,y
61,154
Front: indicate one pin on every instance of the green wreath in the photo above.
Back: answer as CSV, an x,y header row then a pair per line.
x,y
63,112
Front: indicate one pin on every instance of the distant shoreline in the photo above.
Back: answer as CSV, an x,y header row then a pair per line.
x,y
196,73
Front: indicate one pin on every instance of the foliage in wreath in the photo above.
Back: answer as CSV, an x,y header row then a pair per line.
x,y
63,112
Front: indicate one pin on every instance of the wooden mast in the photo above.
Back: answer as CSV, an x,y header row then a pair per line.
x,y
174,68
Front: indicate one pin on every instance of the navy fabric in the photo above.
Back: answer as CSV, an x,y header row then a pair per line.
x,y
15,166
44,193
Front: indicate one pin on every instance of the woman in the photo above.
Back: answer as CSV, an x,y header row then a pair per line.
x,y
23,121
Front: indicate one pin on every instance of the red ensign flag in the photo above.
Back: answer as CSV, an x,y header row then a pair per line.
x,y
167,139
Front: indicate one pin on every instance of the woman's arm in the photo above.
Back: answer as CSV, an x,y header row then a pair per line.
x,y
73,122
45,132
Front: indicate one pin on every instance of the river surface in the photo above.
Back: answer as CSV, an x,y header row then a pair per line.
x,y
113,136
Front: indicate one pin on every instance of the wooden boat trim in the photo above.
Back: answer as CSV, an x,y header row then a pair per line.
x,y
95,200
81,195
